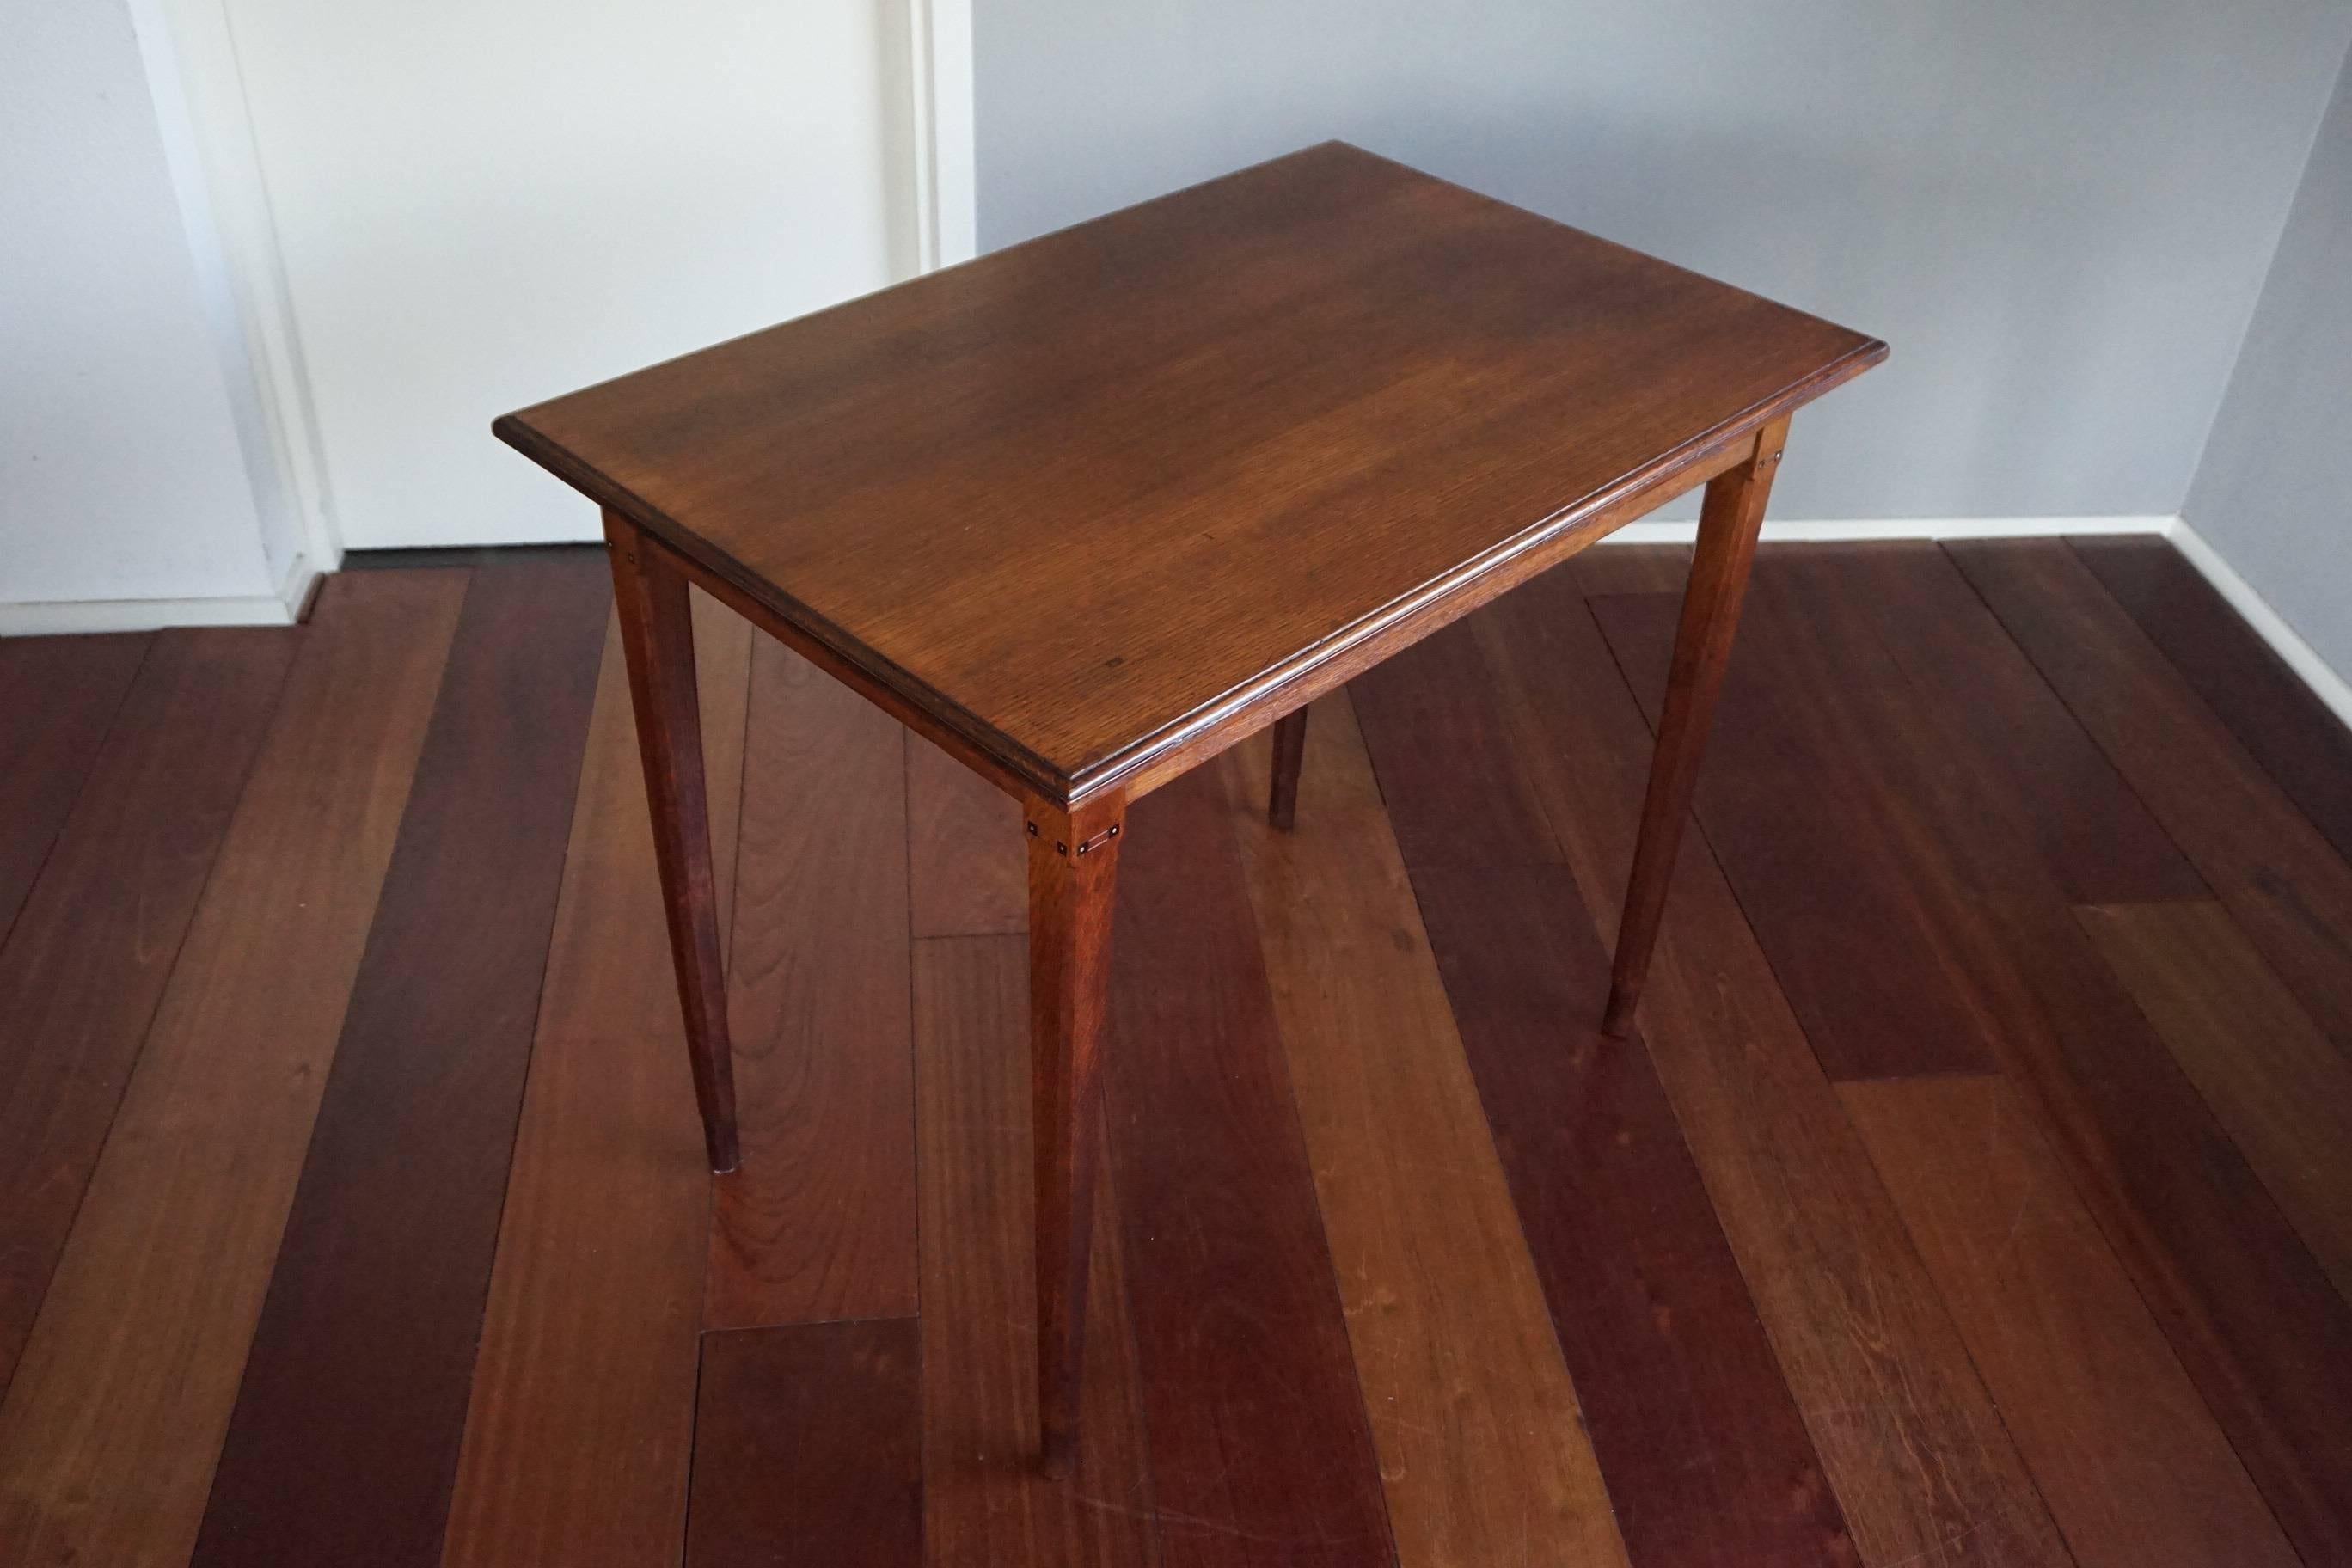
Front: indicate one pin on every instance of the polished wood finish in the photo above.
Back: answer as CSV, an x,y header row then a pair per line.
x,y
658,633
1290,750
967,859
820,1222
2099,838
2283,882
809,1448
610,1182
111,1426
1261,1451
1089,512
361,1361
2282,723
2063,1340
2253,1318
985,1502
1214,441
1817,843
1454,1345
1889,1287
1073,874
1911,1442
59,696
2287,1104
88,959
1728,523
1643,1292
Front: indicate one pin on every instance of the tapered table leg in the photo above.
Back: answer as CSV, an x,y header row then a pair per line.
x,y
1727,525
657,636
1290,751
1072,864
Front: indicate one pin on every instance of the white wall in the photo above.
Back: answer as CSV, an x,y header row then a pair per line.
x,y
125,467
482,206
2058,212
2273,493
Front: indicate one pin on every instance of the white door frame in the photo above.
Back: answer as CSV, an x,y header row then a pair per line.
x,y
191,55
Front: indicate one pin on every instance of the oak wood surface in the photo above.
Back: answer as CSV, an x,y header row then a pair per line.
x,y
1911,1442
820,1221
1260,1452
2061,1336
601,1245
2279,1086
2303,747
808,1446
1210,441
2283,883
1483,1447
110,1430
986,1501
344,1439
59,696
87,960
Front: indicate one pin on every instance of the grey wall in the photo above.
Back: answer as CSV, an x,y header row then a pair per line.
x,y
2058,212
2274,494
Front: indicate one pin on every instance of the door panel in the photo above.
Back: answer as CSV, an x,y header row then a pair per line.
x,y
482,206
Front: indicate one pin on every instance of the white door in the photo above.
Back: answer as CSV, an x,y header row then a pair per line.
x,y
478,204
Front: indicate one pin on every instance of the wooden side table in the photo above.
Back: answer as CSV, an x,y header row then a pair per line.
x,y
1087,512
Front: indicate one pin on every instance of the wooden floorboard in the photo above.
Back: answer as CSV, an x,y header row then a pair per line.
x,y
1704,1449
397,1247
108,1432
59,696
2283,882
87,960
808,1447
2061,1338
344,1439
2282,723
1448,705
2279,1086
1912,1443
609,1185
967,862
986,1501
2095,834
819,1223
1812,845
1260,1454
1706,1457
2254,1320
1482,1449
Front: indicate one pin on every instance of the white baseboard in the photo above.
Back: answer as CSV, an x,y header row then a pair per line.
x,y
2326,683
282,608
2299,655
1838,529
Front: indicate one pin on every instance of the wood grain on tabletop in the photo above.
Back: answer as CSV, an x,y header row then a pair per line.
x,y
1070,493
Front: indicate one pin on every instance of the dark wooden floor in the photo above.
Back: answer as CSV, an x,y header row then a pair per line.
x,y
1978,1189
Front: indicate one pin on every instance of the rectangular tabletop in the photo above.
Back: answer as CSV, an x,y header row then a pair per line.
x,y
1081,499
